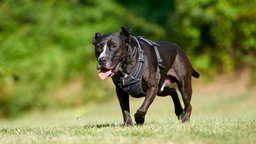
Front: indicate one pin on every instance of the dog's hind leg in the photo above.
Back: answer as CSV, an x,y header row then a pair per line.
x,y
186,91
167,91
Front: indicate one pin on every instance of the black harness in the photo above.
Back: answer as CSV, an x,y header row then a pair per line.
x,y
131,83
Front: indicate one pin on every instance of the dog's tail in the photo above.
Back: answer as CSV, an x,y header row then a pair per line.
x,y
195,74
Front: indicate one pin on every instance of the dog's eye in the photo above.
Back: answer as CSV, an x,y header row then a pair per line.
x,y
114,46
98,48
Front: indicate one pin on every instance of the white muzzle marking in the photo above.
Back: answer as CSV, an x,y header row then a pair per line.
x,y
103,54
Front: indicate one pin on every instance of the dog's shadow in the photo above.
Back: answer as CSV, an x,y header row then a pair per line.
x,y
104,125
110,125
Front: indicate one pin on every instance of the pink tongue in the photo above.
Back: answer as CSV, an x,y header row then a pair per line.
x,y
104,74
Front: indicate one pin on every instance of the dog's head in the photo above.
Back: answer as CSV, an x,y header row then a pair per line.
x,y
110,50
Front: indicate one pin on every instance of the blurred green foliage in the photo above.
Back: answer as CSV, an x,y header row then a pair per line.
x,y
46,44
224,30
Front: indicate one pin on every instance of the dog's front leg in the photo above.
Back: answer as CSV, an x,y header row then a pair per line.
x,y
141,112
123,98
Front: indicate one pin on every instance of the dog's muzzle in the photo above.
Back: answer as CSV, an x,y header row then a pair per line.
x,y
108,72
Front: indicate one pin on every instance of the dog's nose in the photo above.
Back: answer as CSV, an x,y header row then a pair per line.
x,y
102,60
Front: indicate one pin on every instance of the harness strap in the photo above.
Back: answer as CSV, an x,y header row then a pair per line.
x,y
131,83
136,73
154,45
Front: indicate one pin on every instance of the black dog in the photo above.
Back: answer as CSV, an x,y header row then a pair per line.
x,y
140,67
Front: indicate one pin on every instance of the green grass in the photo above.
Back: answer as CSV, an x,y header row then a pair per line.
x,y
215,119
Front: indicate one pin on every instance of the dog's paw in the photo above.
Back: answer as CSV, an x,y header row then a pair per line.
x,y
127,118
139,117
184,117
180,116
128,122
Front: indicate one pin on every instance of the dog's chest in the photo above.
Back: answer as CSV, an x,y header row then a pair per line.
x,y
132,85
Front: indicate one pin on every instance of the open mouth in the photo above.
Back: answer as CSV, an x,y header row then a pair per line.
x,y
105,73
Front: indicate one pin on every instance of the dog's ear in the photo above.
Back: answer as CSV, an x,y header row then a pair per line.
x,y
125,32
97,35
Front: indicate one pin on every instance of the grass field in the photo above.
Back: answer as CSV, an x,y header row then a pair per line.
x,y
219,116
